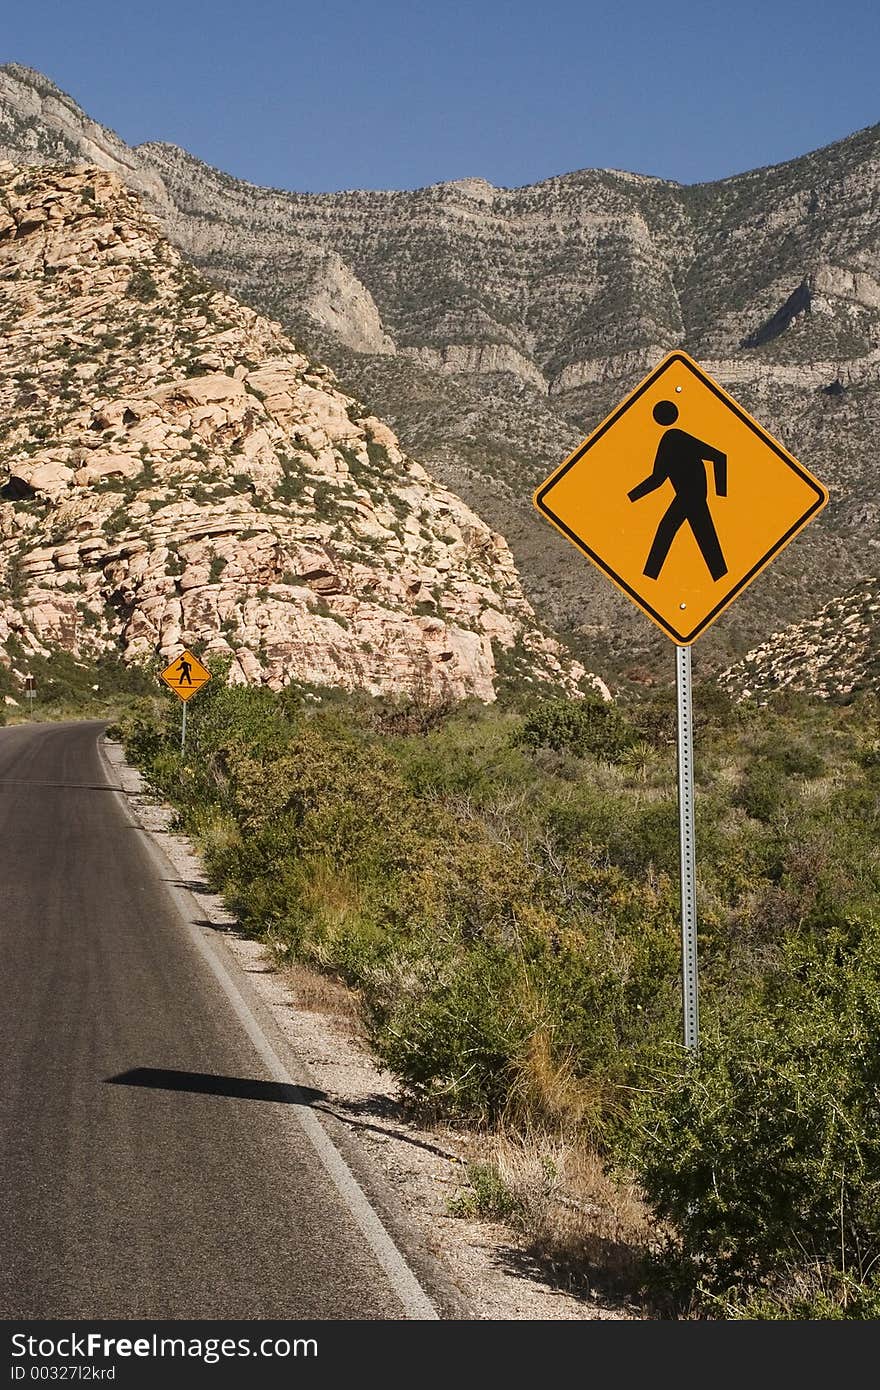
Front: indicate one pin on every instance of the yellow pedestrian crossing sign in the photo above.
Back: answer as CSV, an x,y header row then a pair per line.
x,y
680,498
185,676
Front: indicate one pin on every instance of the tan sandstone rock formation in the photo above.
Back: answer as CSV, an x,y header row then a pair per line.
x,y
176,473
832,655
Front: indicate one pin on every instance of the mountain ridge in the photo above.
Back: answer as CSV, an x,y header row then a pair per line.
x,y
40,81
493,330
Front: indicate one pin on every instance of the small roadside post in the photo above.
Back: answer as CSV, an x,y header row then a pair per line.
x,y
681,499
30,692
186,676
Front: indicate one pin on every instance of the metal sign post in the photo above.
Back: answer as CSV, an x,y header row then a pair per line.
x,y
687,846
183,729
681,499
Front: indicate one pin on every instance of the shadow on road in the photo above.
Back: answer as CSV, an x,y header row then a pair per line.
x,y
59,786
243,1088
206,1084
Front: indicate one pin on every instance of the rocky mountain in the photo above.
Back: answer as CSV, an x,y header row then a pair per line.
x,y
833,654
495,326
174,471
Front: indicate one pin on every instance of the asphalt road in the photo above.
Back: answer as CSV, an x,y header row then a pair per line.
x,y
185,1189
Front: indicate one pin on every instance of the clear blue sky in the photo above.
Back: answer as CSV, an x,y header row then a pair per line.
x,y
386,94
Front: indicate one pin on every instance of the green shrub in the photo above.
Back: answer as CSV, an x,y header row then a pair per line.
x,y
764,1150
142,286
805,1295
764,790
454,1034
486,1196
590,727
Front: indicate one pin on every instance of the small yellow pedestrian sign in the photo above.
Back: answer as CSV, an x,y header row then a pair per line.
x,y
680,498
186,675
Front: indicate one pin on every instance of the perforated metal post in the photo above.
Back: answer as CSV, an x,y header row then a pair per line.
x,y
183,729
687,841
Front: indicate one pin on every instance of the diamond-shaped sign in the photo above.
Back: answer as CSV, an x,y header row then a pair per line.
x,y
680,498
185,676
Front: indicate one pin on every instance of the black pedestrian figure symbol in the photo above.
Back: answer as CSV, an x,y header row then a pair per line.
x,y
682,459
184,672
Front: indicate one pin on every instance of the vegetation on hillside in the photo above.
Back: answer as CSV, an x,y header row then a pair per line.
x,y
500,886
66,687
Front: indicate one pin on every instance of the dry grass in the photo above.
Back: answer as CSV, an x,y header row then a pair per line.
x,y
546,1090
330,894
821,788
541,1171
317,993
587,1227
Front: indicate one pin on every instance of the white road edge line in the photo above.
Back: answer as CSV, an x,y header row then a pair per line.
x,y
416,1303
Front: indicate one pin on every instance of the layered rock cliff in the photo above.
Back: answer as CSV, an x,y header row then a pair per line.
x,y
174,472
494,326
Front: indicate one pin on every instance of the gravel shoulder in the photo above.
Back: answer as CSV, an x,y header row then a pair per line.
x,y
488,1265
